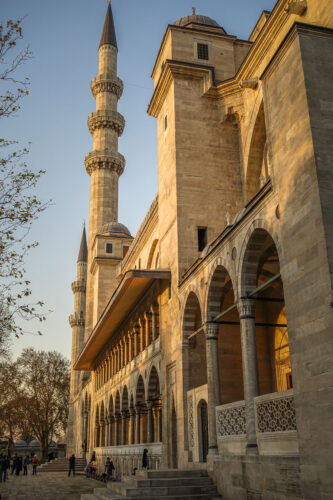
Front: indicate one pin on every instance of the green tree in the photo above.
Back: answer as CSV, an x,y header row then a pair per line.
x,y
19,205
36,396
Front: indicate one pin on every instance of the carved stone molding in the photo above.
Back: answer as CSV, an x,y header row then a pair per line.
x,y
296,7
76,320
97,160
106,119
212,331
78,286
104,84
246,308
251,83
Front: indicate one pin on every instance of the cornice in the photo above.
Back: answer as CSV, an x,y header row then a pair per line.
x,y
110,261
171,70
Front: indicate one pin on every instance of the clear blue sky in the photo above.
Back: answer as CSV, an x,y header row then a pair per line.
x,y
64,37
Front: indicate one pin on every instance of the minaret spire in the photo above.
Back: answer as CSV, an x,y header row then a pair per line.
x,y
83,252
104,165
109,33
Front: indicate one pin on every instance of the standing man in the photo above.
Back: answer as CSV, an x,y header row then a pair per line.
x,y
71,465
26,462
34,465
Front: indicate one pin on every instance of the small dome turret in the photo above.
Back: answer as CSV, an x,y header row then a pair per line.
x,y
115,228
198,19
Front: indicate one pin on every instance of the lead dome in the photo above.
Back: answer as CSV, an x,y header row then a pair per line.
x,y
197,19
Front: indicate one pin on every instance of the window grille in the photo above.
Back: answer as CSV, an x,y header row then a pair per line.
x,y
203,51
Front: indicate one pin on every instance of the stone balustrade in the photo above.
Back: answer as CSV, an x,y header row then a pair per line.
x,y
126,458
275,412
230,419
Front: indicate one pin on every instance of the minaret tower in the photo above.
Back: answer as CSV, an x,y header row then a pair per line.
x,y
108,240
77,323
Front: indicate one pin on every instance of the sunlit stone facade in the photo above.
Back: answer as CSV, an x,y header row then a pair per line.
x,y
208,337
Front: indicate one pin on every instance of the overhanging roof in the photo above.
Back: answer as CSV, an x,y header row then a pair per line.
x,y
131,288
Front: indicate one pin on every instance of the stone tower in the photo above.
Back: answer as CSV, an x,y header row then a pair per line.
x,y
77,322
108,240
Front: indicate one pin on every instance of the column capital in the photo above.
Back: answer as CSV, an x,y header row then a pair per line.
x,y
149,404
246,307
123,413
212,330
132,411
137,409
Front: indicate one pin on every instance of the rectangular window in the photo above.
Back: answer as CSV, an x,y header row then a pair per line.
x,y
203,51
109,248
202,238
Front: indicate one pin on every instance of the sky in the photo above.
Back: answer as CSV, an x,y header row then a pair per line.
x,y
64,37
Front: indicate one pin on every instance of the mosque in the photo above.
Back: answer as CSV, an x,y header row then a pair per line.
x,y
207,337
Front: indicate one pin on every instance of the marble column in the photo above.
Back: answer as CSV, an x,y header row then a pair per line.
x,y
147,318
213,384
137,424
153,323
150,422
116,430
136,341
132,426
123,427
246,308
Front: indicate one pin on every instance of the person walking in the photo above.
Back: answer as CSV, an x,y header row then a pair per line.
x,y
34,465
19,465
13,464
26,462
71,465
2,468
145,459
110,469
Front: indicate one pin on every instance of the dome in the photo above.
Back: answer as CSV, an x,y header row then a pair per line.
x,y
34,443
20,442
197,19
115,228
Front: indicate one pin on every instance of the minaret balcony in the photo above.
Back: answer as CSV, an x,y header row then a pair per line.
x,y
104,159
106,119
76,320
107,83
79,286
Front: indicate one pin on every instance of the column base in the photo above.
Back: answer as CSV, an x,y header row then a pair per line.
x,y
252,449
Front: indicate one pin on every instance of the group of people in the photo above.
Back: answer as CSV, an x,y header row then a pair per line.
x,y
16,464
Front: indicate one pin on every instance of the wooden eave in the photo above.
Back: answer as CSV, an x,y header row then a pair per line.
x,y
131,288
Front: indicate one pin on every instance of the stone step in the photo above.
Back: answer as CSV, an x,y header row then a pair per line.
x,y
137,482
111,496
172,473
160,491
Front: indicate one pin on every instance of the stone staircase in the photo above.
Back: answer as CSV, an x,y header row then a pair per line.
x,y
159,485
62,465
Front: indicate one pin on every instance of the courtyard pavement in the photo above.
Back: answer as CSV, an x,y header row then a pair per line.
x,y
47,486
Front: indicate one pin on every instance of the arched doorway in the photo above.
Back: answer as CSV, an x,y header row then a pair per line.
x,y
202,430
220,300
261,266
154,397
141,412
124,417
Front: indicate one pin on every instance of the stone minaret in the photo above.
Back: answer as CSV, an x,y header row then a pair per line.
x,y
107,238
77,323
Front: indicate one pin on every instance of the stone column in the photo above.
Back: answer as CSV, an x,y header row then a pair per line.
x,y
121,355
150,422
136,341
156,424
137,425
130,347
123,427
147,318
142,335
153,323
110,430
116,430
246,308
132,426
213,385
